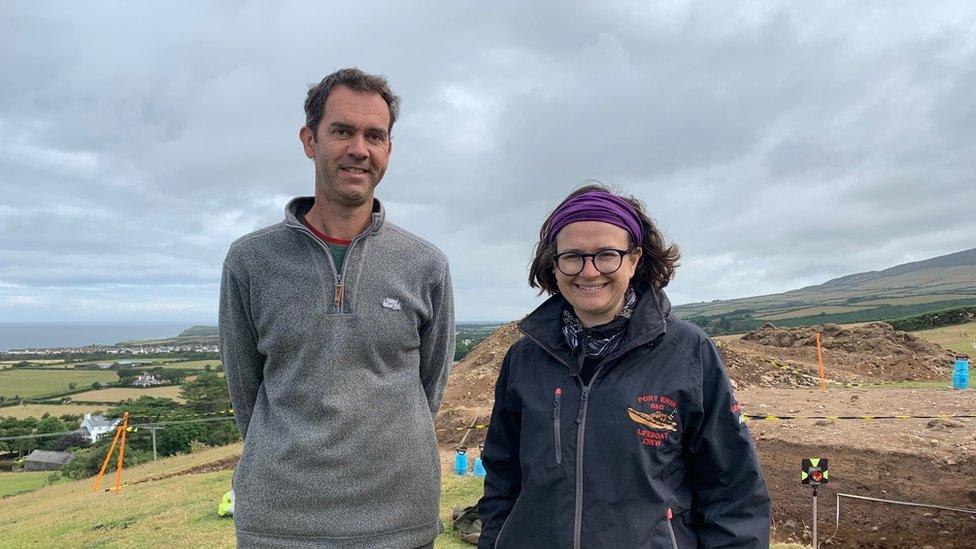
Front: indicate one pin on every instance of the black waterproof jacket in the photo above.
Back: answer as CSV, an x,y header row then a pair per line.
x,y
599,465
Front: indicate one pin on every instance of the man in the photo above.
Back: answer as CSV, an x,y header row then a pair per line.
x,y
337,335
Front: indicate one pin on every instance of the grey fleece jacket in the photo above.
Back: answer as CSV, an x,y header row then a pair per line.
x,y
335,379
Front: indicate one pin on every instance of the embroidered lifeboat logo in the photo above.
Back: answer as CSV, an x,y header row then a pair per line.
x,y
657,424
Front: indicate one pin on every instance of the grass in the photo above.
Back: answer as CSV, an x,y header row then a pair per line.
x,y
20,482
959,338
916,299
810,311
456,492
29,383
37,410
192,364
180,511
36,361
117,394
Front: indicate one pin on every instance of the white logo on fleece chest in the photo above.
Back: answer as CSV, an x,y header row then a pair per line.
x,y
391,303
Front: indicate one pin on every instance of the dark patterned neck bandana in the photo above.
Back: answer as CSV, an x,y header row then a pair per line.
x,y
600,340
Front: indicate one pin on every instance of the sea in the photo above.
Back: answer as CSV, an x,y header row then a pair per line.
x,y
23,334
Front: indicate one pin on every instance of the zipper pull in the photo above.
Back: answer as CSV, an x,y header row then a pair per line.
x,y
338,294
583,397
555,401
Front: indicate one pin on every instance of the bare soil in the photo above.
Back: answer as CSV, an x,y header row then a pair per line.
x,y
914,460
775,372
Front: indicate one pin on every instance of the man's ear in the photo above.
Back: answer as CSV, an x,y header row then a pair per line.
x,y
307,138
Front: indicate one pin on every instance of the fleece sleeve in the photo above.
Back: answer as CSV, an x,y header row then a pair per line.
x,y
243,364
500,456
437,342
730,502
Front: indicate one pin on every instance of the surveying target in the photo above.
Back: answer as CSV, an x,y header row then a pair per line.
x,y
814,471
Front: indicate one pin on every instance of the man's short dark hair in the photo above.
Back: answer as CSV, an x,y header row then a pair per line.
x,y
355,80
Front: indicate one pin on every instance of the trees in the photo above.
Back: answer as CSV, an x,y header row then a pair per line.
x,y
207,393
126,375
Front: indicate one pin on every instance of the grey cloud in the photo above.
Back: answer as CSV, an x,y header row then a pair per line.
x,y
778,144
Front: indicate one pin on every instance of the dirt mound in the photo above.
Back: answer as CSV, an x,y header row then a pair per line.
x,y
754,370
866,353
471,386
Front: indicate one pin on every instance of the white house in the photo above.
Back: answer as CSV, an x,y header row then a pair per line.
x,y
146,380
95,426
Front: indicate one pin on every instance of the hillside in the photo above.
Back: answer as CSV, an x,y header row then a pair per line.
x,y
169,503
903,290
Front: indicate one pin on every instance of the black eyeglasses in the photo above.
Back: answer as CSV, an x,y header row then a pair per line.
x,y
606,261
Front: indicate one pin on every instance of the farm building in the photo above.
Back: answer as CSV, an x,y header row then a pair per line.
x,y
146,380
135,363
93,427
44,460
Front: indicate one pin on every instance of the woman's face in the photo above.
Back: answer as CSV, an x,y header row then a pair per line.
x,y
596,297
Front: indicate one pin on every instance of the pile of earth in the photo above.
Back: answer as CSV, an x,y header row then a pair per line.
x,y
470,388
870,353
751,369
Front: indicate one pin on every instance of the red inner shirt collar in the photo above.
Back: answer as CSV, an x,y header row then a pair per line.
x,y
323,236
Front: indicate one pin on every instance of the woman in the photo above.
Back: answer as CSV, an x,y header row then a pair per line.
x,y
614,423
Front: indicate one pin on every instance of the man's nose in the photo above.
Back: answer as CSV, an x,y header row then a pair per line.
x,y
357,147
589,268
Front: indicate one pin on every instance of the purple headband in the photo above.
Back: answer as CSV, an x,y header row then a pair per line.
x,y
597,206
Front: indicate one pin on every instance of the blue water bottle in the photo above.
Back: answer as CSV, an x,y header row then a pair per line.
x,y
479,468
461,463
960,378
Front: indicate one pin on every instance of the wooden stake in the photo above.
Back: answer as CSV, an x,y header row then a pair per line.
x,y
823,381
119,464
111,450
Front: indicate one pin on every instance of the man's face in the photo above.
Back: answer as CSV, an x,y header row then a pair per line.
x,y
351,147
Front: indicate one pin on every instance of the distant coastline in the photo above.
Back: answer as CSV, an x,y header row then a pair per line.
x,y
42,334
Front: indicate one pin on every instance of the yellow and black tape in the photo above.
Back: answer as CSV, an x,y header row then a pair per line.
x,y
864,418
477,426
771,417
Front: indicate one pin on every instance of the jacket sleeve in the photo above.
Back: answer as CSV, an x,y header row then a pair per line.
x,y
500,457
730,504
243,364
437,342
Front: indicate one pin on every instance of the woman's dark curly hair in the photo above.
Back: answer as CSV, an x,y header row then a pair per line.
x,y
657,263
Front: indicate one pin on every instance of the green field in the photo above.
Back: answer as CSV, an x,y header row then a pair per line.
x,y
31,383
22,411
116,394
23,481
810,311
40,361
192,364
959,338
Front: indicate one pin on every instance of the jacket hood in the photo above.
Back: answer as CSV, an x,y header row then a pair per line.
x,y
298,207
649,321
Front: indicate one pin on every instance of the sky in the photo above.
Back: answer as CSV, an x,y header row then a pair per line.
x,y
779,144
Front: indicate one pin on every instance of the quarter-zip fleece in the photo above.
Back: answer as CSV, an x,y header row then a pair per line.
x,y
335,378
655,428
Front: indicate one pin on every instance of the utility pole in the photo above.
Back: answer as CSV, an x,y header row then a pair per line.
x,y
152,429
